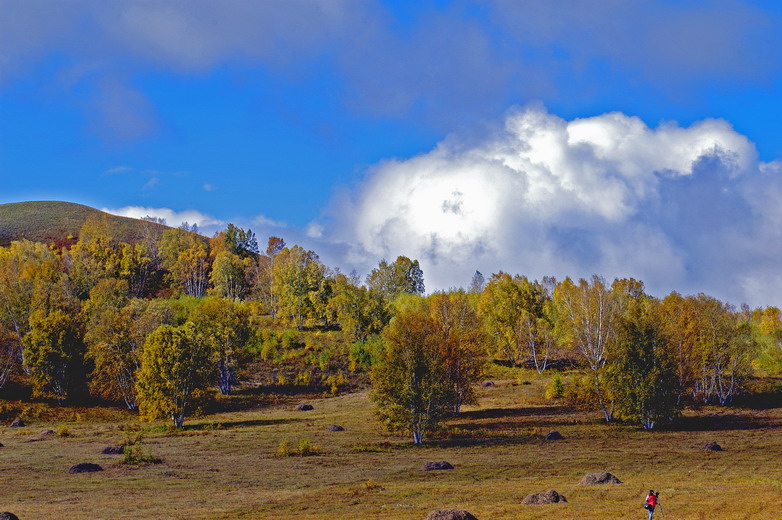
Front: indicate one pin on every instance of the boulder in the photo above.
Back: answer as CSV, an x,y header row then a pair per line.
x,y
18,423
712,446
544,497
436,466
335,428
602,477
1,445
8,516
304,408
47,433
450,514
85,467
487,384
113,450
554,435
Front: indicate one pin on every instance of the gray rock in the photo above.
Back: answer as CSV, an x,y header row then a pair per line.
x,y
335,428
602,477
554,435
304,408
436,466
450,514
18,423
544,497
85,467
8,516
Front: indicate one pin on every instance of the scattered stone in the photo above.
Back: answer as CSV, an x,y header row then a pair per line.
x,y
113,450
450,514
554,435
1,445
486,384
304,408
436,466
712,446
335,428
18,423
544,497
47,433
601,477
85,467
8,516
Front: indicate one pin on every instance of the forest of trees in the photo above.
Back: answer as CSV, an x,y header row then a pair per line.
x,y
163,324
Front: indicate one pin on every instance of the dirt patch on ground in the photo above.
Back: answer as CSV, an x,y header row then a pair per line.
x,y
450,514
603,477
544,497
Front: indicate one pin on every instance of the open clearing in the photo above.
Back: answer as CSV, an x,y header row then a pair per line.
x,y
225,465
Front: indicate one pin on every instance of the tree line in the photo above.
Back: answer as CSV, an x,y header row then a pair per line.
x,y
160,323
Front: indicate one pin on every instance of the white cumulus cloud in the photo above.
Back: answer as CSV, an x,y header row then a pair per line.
x,y
173,218
683,208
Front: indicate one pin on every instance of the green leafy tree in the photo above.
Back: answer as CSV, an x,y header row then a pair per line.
x,y
642,373
222,326
54,355
411,387
240,242
176,372
401,276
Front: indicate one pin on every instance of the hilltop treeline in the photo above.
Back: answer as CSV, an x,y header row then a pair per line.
x,y
159,323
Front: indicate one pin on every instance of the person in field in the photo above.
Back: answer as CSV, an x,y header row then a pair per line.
x,y
651,502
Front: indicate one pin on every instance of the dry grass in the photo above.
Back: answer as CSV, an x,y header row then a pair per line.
x,y
226,465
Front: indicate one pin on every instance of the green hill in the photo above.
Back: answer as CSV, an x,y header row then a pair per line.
x,y
59,222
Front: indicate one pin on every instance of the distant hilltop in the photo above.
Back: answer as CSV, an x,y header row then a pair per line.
x,y
58,222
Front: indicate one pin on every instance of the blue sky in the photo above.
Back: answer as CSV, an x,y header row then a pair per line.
x,y
368,129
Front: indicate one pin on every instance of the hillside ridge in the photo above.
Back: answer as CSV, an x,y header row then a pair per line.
x,y
58,222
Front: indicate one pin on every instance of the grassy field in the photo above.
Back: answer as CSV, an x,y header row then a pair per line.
x,y
226,466
54,222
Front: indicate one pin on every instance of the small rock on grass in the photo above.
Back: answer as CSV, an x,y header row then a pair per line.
x,y
712,446
487,384
436,466
17,423
544,497
602,477
113,450
335,428
85,467
8,516
450,514
1,445
554,435
304,408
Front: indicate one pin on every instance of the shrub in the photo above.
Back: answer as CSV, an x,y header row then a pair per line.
x,y
135,455
64,431
556,388
303,449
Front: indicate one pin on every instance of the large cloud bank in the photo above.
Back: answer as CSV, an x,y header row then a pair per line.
x,y
688,209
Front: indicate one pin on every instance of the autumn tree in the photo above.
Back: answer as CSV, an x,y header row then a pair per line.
x,y
589,313
54,354
642,373
411,387
31,280
459,335
360,312
228,276
176,371
401,276
223,327
186,257
296,280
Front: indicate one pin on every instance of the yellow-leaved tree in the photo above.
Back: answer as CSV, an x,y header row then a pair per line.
x,y
176,372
